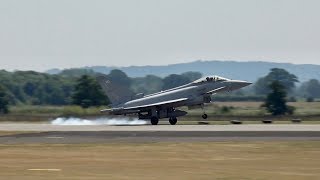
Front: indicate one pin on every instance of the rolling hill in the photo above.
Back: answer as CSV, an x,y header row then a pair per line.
x,y
250,71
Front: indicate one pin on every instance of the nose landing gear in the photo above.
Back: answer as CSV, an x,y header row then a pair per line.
x,y
204,116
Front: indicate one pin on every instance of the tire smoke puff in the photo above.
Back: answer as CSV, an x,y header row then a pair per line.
x,y
99,121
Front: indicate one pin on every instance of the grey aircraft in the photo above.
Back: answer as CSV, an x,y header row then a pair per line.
x,y
164,104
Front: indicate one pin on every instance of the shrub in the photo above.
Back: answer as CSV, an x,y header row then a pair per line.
x,y
310,99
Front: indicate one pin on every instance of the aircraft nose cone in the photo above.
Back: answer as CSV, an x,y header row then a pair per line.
x,y
245,83
242,84
235,84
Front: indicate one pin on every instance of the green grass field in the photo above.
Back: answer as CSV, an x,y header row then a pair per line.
x,y
211,160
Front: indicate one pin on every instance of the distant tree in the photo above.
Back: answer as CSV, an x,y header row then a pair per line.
x,y
308,89
292,99
261,86
4,101
312,88
29,87
88,93
275,102
310,99
147,85
56,97
76,72
174,80
284,77
120,78
153,83
192,76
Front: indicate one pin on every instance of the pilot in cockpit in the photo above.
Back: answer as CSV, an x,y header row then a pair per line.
x,y
211,79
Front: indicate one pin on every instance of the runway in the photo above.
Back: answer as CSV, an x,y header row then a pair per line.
x,y
148,128
46,133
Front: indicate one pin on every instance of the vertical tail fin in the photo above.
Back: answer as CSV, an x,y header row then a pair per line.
x,y
117,93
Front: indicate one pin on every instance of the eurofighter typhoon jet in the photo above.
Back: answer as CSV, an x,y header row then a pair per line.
x,y
164,104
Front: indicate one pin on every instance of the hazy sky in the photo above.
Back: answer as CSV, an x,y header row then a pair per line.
x,y
44,34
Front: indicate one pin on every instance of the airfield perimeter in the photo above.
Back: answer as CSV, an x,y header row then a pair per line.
x,y
47,133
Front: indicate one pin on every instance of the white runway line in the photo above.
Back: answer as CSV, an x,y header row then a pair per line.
x,y
44,169
54,137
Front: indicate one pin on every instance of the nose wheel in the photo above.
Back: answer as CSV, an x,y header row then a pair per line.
x,y
173,120
204,116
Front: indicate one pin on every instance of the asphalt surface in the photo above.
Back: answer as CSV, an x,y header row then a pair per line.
x,y
46,133
148,128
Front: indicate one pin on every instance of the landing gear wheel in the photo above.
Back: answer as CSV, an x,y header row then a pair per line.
x,y
154,120
173,120
204,116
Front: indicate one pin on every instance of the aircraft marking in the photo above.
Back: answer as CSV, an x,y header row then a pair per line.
x,y
55,137
44,169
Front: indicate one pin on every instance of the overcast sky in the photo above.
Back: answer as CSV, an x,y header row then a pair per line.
x,y
44,34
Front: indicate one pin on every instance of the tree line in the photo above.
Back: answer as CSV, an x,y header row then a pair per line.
x,y
80,87
308,89
34,88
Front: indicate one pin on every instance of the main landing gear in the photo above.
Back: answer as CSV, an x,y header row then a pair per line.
x,y
173,120
154,120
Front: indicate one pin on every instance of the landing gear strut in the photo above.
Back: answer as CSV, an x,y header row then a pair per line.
x,y
154,120
204,116
173,120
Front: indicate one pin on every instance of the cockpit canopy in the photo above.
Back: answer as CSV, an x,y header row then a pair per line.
x,y
210,79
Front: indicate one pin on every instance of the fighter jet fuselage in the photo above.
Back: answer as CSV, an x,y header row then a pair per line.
x,y
164,104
